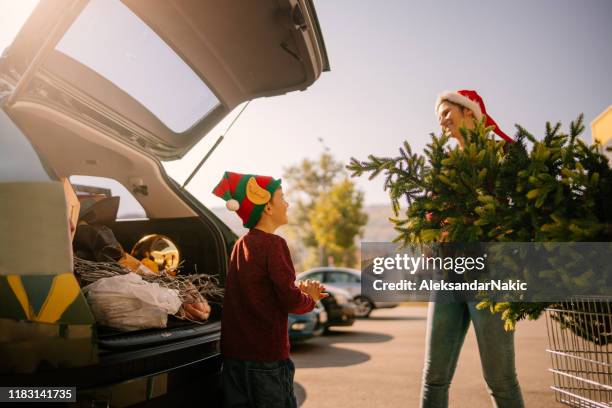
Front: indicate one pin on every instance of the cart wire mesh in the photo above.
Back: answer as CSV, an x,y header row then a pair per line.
x,y
580,341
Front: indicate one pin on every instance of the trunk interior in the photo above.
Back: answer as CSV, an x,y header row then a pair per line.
x,y
199,254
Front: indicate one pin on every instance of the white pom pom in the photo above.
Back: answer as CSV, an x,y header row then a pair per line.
x,y
232,205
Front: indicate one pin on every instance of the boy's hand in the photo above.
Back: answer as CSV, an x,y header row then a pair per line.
x,y
198,311
314,289
302,284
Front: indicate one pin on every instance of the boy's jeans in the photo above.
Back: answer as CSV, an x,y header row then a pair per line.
x,y
447,325
257,384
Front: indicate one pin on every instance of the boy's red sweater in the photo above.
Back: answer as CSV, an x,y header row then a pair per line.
x,y
260,292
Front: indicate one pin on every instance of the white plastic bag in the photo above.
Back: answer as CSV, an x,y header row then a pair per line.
x,y
126,302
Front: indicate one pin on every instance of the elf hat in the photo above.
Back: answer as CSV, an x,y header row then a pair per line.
x,y
471,100
247,194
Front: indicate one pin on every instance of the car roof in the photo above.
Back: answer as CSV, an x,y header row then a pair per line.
x,y
331,269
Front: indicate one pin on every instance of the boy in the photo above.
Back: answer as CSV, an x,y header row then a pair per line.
x,y
260,292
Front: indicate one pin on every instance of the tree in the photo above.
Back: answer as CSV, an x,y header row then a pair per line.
x,y
336,219
306,182
308,185
560,190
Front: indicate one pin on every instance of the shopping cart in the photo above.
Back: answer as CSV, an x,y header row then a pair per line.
x,y
580,340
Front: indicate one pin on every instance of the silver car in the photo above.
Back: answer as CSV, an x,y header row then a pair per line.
x,y
349,280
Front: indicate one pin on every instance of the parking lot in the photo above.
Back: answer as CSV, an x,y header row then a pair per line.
x,y
378,362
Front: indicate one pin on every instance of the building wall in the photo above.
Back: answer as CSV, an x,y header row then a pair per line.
x,y
601,129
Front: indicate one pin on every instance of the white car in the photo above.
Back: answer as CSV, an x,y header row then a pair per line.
x,y
99,93
349,280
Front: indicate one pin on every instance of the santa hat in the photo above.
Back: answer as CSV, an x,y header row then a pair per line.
x,y
247,194
471,100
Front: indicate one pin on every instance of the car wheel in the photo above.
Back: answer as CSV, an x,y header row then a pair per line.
x,y
364,306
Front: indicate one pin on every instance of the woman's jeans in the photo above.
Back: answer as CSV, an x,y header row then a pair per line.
x,y
447,325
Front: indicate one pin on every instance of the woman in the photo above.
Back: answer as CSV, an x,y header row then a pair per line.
x,y
448,320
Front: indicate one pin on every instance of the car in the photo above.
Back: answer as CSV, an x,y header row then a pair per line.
x,y
308,325
99,93
339,307
349,280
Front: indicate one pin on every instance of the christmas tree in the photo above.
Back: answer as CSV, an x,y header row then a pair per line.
x,y
557,189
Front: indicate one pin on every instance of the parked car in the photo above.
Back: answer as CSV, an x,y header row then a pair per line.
x,y
349,280
308,325
100,92
339,307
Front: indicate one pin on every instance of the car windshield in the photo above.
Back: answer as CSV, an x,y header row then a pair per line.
x,y
110,39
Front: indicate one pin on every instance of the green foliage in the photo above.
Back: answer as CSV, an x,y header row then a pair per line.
x,y
336,219
326,211
559,190
304,184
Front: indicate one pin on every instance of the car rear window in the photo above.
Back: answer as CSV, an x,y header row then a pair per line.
x,y
129,207
110,39
314,276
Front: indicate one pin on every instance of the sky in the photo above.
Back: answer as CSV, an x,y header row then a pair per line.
x,y
531,61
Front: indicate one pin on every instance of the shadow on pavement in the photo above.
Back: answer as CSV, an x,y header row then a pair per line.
x,y
300,393
345,336
390,318
315,355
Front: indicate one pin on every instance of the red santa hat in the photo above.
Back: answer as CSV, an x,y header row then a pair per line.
x,y
471,100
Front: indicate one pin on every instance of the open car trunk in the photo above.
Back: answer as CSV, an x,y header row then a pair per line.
x,y
176,354
197,253
160,74
108,88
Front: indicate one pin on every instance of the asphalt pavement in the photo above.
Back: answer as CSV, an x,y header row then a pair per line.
x,y
378,363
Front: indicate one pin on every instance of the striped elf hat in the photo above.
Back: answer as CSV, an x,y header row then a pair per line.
x,y
247,194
